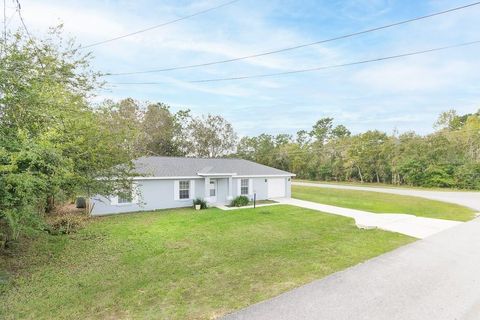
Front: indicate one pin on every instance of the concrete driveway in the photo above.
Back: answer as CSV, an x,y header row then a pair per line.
x,y
464,198
436,278
418,227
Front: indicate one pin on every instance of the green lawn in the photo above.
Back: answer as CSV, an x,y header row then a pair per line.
x,y
182,264
383,203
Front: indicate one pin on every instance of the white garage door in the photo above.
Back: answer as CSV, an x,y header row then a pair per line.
x,y
276,187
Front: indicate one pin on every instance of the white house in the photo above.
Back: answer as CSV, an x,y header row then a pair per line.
x,y
173,182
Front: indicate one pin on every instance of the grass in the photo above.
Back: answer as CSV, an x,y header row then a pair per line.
x,y
383,203
250,203
181,264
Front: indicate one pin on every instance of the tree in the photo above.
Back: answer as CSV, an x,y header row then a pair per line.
x,y
123,119
211,136
322,129
340,132
450,120
159,130
53,145
303,138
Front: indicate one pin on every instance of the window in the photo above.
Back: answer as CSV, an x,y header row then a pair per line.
x,y
212,189
184,190
125,196
244,187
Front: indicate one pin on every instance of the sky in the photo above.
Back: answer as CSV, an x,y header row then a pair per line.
x,y
395,95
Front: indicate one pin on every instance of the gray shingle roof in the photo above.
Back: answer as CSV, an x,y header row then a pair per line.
x,y
182,167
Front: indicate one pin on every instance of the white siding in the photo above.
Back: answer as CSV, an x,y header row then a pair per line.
x,y
176,189
192,189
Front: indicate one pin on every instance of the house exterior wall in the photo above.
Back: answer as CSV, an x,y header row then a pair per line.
x,y
288,189
155,194
260,187
159,194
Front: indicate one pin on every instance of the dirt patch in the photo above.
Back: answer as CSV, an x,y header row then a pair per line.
x,y
67,209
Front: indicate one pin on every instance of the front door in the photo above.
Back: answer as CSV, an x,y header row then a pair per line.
x,y
213,190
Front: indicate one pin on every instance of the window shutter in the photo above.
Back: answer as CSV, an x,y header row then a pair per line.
x,y
114,200
250,187
192,189
176,187
239,187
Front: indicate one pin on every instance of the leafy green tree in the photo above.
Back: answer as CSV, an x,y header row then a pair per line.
x,y
303,138
322,129
53,144
450,120
159,130
211,136
340,132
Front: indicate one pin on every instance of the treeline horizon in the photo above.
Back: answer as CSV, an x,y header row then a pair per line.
x,y
448,157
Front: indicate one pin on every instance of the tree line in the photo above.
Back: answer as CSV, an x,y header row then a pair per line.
x,y
449,157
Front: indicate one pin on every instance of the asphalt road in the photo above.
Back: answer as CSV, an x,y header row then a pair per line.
x,y
469,199
435,278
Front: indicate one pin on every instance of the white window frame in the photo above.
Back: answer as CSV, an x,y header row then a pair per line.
x,y
176,190
242,186
116,200
122,200
180,189
214,183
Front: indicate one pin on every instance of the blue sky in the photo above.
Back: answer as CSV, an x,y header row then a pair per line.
x,y
404,94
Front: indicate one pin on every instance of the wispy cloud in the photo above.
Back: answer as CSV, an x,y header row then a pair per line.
x,y
405,94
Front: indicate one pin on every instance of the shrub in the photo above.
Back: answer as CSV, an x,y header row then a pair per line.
x,y
438,176
19,221
201,202
66,224
467,176
239,201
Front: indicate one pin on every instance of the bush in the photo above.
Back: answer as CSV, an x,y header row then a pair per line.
x,y
201,202
438,176
467,176
19,221
66,224
240,201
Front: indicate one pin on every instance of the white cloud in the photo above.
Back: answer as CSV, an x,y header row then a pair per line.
x,y
405,93
82,21
412,75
